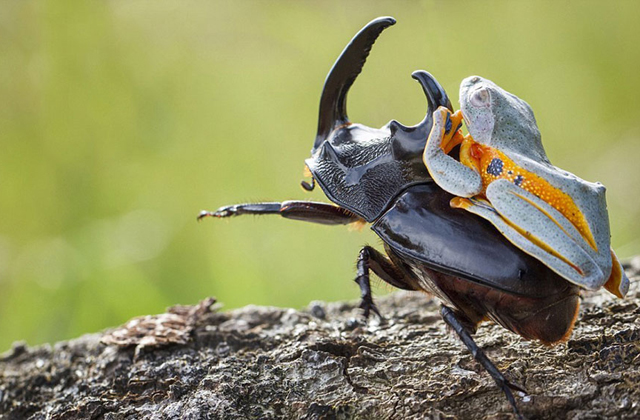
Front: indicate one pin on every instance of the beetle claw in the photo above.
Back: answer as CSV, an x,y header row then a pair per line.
x,y
228,211
367,305
224,212
516,387
203,214
506,386
308,186
221,212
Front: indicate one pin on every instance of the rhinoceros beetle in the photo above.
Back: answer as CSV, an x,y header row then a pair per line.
x,y
377,176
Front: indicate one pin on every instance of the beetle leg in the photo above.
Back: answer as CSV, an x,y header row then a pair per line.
x,y
308,186
453,320
307,211
371,259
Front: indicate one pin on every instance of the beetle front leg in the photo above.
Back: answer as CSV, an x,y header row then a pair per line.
x,y
455,322
371,259
307,211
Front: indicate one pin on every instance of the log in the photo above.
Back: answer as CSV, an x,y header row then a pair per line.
x,y
322,362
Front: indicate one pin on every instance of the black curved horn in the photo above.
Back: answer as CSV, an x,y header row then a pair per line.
x,y
342,75
436,97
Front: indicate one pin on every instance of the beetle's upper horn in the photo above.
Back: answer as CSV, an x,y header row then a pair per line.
x,y
333,111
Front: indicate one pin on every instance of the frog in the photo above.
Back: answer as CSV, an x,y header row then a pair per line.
x,y
503,175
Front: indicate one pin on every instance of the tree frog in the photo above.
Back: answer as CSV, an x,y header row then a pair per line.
x,y
504,176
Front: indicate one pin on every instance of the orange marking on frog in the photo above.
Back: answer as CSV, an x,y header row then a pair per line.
x,y
613,283
492,164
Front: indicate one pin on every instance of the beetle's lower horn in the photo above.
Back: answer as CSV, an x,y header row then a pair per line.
x,y
333,110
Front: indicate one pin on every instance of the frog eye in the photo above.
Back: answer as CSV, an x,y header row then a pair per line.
x,y
480,97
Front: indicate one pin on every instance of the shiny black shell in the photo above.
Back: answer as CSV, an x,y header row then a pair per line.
x,y
422,225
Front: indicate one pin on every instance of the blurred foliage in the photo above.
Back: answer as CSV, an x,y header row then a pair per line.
x,y
120,120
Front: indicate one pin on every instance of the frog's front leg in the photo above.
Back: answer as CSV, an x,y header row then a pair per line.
x,y
451,175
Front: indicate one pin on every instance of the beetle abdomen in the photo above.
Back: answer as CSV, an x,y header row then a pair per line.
x,y
545,317
551,324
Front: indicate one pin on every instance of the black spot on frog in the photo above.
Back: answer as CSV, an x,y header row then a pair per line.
x,y
495,167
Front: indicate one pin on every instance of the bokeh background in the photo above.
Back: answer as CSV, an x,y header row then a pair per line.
x,y
121,120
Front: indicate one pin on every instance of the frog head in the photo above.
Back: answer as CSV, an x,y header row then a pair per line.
x,y
499,119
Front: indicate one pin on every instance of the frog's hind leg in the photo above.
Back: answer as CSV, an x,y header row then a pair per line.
x,y
539,230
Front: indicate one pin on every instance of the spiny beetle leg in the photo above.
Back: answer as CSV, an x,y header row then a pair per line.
x,y
238,209
307,211
366,299
370,259
454,322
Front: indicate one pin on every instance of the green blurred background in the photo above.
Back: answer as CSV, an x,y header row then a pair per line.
x,y
121,120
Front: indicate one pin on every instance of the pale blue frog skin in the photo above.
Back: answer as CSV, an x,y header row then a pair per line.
x,y
504,176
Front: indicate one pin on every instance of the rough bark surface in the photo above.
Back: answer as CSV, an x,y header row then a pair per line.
x,y
321,363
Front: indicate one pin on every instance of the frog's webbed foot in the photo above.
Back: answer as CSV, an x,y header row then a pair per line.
x,y
541,231
451,175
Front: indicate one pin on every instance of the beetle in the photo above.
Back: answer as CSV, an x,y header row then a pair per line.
x,y
377,176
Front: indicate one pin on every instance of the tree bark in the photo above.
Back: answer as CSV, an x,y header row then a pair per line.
x,y
323,363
